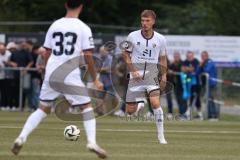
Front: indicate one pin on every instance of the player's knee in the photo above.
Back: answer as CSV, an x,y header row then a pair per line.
x,y
130,109
45,107
84,106
155,102
47,110
155,105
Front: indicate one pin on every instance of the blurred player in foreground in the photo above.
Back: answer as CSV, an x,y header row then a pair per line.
x,y
142,52
65,40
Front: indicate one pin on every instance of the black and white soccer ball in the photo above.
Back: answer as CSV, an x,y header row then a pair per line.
x,y
71,133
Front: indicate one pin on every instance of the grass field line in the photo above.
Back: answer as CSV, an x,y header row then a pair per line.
x,y
143,130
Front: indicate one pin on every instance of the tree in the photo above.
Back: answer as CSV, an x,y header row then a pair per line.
x,y
177,17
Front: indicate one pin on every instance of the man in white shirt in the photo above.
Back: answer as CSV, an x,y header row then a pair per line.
x,y
142,52
65,41
4,57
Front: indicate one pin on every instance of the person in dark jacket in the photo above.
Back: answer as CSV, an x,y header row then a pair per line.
x,y
33,99
174,70
105,78
208,66
20,58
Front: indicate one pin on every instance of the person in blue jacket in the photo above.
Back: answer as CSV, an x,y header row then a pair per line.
x,y
208,66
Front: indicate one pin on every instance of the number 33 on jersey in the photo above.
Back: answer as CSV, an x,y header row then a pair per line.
x,y
67,38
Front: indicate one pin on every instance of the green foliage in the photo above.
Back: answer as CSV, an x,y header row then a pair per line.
x,y
203,17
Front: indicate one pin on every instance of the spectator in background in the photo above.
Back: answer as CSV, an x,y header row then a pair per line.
x,y
4,57
29,46
178,90
20,58
122,73
27,81
12,48
208,66
169,94
33,98
190,67
105,77
40,63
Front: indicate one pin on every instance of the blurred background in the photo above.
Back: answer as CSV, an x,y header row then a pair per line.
x,y
200,17
189,25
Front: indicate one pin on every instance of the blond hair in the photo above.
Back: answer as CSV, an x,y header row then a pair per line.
x,y
148,13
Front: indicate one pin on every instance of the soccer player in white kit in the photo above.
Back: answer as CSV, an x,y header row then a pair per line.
x,y
65,40
145,49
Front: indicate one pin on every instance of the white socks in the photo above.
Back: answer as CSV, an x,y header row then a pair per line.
x,y
32,122
199,113
36,117
140,106
158,113
89,124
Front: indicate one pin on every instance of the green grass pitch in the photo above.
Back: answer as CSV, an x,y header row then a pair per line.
x,y
124,140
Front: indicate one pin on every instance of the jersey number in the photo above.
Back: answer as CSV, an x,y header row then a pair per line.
x,y
147,52
70,50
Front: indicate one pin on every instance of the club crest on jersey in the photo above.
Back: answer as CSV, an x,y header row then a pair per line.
x,y
154,45
138,43
91,41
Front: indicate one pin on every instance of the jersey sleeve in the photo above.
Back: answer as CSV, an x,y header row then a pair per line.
x,y
129,46
87,40
163,47
47,43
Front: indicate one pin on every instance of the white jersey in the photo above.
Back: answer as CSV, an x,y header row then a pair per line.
x,y
145,55
67,38
145,50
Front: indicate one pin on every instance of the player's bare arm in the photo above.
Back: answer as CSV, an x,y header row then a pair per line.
x,y
89,60
131,69
163,63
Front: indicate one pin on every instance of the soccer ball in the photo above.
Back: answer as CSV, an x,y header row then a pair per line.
x,y
71,133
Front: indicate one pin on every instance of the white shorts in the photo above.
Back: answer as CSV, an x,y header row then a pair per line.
x,y
48,94
138,93
139,89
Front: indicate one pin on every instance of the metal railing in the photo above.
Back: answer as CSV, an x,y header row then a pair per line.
x,y
21,70
206,98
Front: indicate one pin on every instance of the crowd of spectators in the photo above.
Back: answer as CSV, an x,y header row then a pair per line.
x,y
26,60
23,63
189,80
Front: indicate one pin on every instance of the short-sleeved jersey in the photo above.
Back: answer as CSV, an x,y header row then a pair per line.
x,y
146,50
67,38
